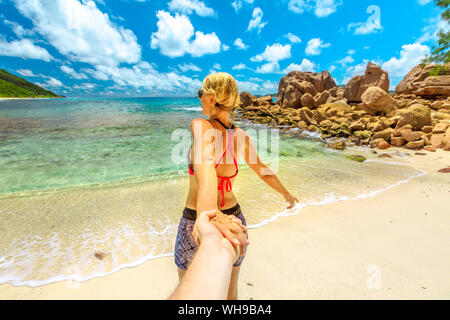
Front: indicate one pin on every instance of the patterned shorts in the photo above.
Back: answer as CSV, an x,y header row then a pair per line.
x,y
185,246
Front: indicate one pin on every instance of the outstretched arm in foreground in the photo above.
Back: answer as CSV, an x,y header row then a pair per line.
x,y
209,274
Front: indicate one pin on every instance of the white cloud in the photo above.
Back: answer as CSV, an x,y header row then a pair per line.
x,y
410,55
174,34
304,66
144,75
24,49
240,44
331,68
189,6
51,83
256,21
315,46
85,86
81,31
238,4
240,66
274,53
185,67
18,29
321,8
26,73
225,47
72,73
270,67
423,2
346,60
372,25
431,29
293,38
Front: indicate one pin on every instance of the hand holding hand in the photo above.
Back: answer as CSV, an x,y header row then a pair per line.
x,y
232,229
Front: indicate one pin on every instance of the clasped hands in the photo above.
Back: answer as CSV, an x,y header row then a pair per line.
x,y
218,228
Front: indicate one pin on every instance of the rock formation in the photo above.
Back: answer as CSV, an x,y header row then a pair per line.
x,y
374,76
295,84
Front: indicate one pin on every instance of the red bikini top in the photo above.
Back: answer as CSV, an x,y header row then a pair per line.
x,y
224,183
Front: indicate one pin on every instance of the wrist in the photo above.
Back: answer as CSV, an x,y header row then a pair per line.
x,y
218,249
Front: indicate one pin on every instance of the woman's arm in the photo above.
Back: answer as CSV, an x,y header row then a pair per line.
x,y
265,173
203,161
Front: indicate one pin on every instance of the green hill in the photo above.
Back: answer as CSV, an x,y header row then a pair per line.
x,y
12,86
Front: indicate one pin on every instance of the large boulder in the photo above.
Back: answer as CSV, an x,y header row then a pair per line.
x,y
434,86
414,78
295,84
307,100
374,76
379,101
247,98
416,115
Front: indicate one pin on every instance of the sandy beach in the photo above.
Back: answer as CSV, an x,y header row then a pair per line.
x,y
393,245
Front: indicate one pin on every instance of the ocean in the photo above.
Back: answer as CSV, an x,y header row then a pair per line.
x,y
80,176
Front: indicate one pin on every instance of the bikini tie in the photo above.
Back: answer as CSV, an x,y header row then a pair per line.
x,y
228,187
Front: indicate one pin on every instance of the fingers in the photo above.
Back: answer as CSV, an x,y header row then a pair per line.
x,y
225,231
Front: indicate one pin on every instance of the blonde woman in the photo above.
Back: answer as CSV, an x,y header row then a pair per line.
x,y
213,157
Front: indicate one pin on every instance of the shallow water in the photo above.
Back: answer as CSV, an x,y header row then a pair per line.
x,y
81,176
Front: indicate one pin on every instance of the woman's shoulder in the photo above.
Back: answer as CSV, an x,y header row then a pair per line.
x,y
201,123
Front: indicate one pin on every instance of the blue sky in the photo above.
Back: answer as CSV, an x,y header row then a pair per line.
x,y
165,48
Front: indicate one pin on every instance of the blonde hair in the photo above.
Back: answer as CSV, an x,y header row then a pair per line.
x,y
225,90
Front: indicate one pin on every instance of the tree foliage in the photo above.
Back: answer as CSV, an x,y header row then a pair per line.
x,y
440,54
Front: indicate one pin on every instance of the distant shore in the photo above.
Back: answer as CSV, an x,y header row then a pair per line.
x,y
6,98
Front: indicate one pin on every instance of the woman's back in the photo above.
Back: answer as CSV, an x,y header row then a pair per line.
x,y
227,151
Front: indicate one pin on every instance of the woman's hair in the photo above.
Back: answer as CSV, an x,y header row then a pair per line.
x,y
224,88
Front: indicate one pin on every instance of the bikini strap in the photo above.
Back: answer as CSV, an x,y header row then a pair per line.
x,y
226,128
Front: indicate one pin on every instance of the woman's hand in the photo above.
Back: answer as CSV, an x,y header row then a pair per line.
x,y
291,200
232,229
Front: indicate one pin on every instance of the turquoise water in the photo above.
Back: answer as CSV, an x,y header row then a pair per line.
x,y
80,176
49,144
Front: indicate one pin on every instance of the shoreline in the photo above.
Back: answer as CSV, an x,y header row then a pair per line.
x,y
332,223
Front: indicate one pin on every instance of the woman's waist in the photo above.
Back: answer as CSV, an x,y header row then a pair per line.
x,y
191,214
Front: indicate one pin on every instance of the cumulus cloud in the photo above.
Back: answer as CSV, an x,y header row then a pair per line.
x,y
239,66
321,8
51,83
18,29
26,73
144,75
80,31
270,67
293,38
410,55
305,66
24,49
190,6
274,53
185,67
315,46
173,37
240,44
72,73
256,21
238,4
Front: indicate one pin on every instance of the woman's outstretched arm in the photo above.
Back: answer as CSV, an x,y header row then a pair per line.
x,y
265,173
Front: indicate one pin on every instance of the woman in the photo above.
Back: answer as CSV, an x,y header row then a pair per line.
x,y
216,149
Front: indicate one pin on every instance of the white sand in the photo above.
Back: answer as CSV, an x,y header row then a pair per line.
x,y
394,245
